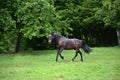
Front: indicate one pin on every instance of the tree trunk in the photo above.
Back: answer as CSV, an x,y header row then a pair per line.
x,y
18,41
118,35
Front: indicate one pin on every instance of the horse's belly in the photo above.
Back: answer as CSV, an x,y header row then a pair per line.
x,y
69,46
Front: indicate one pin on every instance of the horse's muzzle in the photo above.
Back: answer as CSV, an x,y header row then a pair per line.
x,y
49,42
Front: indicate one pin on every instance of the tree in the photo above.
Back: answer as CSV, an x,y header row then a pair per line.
x,y
88,18
6,27
34,18
82,17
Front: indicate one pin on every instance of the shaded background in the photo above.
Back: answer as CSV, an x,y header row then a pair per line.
x,y
26,24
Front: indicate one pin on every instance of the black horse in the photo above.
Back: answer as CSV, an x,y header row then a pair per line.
x,y
65,43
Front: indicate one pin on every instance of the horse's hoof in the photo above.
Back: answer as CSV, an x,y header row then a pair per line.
x,y
81,60
71,61
56,61
62,58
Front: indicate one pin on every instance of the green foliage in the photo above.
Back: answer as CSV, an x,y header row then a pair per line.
x,y
4,44
34,18
110,13
37,18
116,10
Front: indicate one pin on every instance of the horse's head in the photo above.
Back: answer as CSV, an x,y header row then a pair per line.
x,y
51,37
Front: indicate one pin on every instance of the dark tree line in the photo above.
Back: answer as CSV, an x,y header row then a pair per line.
x,y
26,24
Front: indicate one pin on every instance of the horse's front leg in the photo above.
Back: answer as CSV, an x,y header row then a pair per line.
x,y
56,57
59,51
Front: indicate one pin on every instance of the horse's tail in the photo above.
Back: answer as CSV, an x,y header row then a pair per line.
x,y
85,47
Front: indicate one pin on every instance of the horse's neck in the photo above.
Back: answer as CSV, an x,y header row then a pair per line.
x,y
60,39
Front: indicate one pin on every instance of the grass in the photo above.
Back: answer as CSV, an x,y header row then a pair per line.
x,y
102,64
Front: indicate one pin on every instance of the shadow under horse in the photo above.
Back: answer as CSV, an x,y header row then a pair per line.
x,y
66,43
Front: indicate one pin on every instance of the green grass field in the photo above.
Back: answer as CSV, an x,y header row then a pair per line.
x,y
101,64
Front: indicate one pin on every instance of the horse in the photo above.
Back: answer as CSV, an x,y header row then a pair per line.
x,y
68,44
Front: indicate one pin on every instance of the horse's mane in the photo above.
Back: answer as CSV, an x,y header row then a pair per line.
x,y
55,34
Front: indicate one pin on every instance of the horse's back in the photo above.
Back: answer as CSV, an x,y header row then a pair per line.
x,y
72,43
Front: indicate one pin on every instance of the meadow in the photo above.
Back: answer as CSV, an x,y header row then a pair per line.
x,y
103,63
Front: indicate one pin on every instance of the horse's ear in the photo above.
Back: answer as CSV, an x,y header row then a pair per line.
x,y
53,33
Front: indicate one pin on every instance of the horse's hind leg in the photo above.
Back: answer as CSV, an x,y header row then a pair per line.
x,y
80,55
75,56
